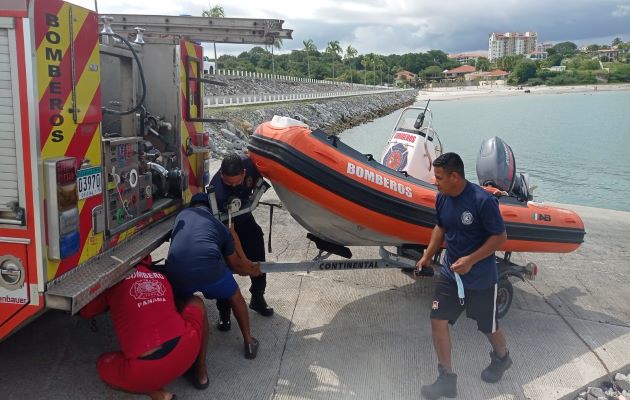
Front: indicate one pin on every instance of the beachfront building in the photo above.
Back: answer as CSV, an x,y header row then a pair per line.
x,y
459,72
404,78
510,43
495,77
467,58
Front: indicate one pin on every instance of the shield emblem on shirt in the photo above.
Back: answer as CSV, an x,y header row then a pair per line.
x,y
147,288
467,218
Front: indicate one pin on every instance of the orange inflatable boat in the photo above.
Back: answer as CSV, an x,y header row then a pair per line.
x,y
348,198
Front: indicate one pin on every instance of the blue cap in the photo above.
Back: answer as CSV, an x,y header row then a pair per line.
x,y
200,198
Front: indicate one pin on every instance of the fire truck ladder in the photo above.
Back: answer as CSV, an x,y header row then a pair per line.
x,y
199,29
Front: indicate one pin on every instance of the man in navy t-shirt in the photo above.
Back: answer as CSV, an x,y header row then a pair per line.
x,y
202,258
236,178
469,220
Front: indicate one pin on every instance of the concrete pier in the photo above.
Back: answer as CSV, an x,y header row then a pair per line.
x,y
365,334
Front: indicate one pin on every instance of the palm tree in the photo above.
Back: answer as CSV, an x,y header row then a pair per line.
x,y
214,12
372,59
309,48
366,61
334,49
351,52
380,62
277,43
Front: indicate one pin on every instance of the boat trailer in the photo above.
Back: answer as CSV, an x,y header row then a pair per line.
x,y
404,258
388,259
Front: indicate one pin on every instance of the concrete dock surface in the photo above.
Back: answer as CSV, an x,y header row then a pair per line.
x,y
365,334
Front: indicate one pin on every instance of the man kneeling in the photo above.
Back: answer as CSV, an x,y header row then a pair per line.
x,y
158,342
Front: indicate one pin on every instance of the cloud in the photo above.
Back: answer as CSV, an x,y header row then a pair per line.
x,y
621,11
398,26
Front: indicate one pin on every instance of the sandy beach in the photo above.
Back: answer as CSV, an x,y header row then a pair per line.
x,y
456,93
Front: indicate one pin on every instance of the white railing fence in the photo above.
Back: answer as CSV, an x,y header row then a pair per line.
x,y
242,99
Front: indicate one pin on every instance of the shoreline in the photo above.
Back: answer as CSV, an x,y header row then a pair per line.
x,y
460,93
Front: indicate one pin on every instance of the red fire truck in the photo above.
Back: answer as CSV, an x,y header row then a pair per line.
x,y
101,143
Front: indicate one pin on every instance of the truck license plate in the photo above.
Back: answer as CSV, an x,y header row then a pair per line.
x,y
89,182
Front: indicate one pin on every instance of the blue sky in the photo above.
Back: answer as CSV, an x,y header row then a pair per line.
x,y
402,26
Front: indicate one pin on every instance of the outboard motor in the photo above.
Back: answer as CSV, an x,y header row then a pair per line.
x,y
496,167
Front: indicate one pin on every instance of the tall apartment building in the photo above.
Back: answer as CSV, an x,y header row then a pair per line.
x,y
510,43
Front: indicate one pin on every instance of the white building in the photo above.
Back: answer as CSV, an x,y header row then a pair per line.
x,y
510,43
537,55
465,58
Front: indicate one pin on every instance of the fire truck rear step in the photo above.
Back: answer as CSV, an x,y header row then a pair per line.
x,y
78,287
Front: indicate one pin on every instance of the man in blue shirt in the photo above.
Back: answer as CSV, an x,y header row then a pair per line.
x,y
236,178
468,218
200,248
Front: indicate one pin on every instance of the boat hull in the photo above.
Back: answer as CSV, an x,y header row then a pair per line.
x,y
348,198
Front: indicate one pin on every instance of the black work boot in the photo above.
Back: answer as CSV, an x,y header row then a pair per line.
x,y
259,305
224,324
497,367
444,386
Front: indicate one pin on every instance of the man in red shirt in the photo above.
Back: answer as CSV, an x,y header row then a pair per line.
x,y
158,342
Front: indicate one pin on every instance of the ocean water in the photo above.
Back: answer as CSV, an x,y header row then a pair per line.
x,y
575,146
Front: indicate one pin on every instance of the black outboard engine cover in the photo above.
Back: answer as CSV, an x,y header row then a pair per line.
x,y
495,164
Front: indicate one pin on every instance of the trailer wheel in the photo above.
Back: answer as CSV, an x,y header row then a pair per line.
x,y
505,294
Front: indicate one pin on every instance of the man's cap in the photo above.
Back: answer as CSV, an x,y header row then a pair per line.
x,y
200,198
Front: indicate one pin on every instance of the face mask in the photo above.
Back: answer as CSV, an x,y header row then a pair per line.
x,y
460,288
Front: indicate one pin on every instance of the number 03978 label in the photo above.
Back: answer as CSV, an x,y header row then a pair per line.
x,y
89,182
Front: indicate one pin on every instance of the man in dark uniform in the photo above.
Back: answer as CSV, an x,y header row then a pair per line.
x,y
203,256
236,178
470,221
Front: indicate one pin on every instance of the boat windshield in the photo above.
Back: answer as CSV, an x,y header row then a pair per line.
x,y
419,121
413,119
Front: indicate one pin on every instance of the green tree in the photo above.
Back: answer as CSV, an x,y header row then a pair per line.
x,y
524,70
351,53
214,12
482,64
617,41
619,73
508,63
432,72
565,48
309,48
366,61
438,56
277,43
334,49
380,64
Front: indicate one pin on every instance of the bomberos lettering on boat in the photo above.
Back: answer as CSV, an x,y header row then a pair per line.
x,y
375,177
